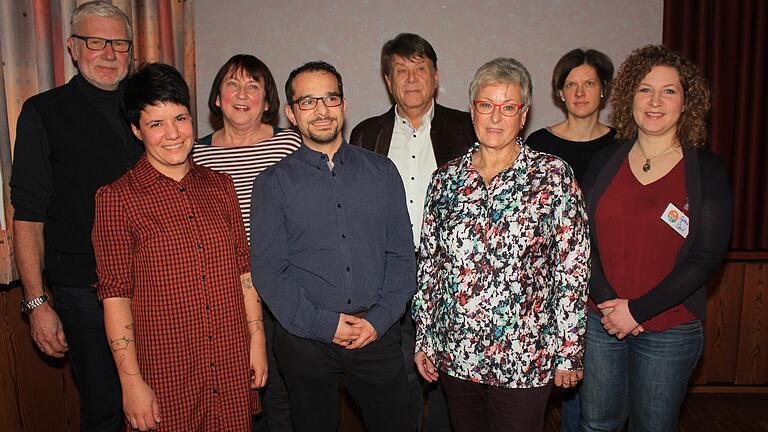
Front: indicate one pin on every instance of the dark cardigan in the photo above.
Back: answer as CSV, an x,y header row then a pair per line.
x,y
710,208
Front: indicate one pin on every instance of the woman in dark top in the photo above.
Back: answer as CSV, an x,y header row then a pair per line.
x,y
660,214
580,84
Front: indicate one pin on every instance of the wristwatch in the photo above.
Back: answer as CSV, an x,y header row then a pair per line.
x,y
28,306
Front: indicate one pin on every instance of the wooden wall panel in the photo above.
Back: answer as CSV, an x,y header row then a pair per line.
x,y
752,363
9,413
38,393
718,364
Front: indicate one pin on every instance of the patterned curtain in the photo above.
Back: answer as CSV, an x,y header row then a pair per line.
x,y
33,52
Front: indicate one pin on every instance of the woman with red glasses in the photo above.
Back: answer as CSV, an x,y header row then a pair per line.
x,y
503,268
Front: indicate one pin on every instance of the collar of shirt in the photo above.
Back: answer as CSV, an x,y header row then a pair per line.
x,y
521,164
426,119
146,175
320,160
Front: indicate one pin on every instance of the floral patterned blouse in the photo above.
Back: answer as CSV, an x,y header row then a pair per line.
x,y
503,272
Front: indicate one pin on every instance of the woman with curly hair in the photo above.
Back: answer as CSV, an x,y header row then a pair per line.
x,y
660,213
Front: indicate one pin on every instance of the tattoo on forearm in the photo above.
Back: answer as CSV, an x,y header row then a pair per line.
x,y
120,366
246,281
121,343
255,325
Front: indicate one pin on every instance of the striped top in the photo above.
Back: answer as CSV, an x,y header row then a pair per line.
x,y
244,163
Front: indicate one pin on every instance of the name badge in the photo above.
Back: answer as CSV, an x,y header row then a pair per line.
x,y
677,220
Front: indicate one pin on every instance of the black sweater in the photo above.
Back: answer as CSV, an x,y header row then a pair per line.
x,y
577,154
710,208
70,141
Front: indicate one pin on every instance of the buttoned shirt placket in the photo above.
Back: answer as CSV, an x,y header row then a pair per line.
x,y
211,399
414,156
334,169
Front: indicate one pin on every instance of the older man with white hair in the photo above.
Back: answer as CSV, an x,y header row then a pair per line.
x,y
70,141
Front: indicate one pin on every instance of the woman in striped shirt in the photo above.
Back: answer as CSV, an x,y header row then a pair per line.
x,y
244,99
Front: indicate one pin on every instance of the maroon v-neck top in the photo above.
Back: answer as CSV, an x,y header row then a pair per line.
x,y
637,248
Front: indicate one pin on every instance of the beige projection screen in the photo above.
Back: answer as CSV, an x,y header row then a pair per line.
x,y
465,34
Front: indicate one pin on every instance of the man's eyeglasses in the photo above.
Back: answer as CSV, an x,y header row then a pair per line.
x,y
98,44
309,103
508,109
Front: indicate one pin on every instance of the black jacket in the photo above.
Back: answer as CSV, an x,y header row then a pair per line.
x,y
710,213
451,133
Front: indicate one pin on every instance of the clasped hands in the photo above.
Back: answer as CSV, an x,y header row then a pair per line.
x,y
353,332
618,320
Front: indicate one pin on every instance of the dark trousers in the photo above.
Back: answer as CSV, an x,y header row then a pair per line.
x,y
437,406
374,376
82,317
481,407
275,410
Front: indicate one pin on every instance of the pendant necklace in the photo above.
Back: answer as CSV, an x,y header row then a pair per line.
x,y
647,164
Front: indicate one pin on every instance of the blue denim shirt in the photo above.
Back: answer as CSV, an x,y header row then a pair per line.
x,y
329,241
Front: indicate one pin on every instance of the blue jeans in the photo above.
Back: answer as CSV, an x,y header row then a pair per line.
x,y
642,379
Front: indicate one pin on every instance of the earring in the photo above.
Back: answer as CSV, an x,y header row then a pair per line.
x,y
562,98
601,95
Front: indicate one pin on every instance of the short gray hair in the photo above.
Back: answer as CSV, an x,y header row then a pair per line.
x,y
502,70
101,9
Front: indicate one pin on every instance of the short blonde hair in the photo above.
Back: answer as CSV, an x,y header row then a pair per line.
x,y
502,70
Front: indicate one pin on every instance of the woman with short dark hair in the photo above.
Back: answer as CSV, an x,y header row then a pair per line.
x,y
181,314
660,216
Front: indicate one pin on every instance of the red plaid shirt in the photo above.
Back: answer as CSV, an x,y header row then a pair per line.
x,y
177,249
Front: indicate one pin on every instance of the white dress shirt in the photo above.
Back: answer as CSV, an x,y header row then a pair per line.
x,y
411,151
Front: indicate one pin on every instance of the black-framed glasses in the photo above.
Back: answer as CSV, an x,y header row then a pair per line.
x,y
309,103
508,109
98,44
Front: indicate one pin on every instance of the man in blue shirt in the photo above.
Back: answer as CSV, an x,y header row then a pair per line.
x,y
332,255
